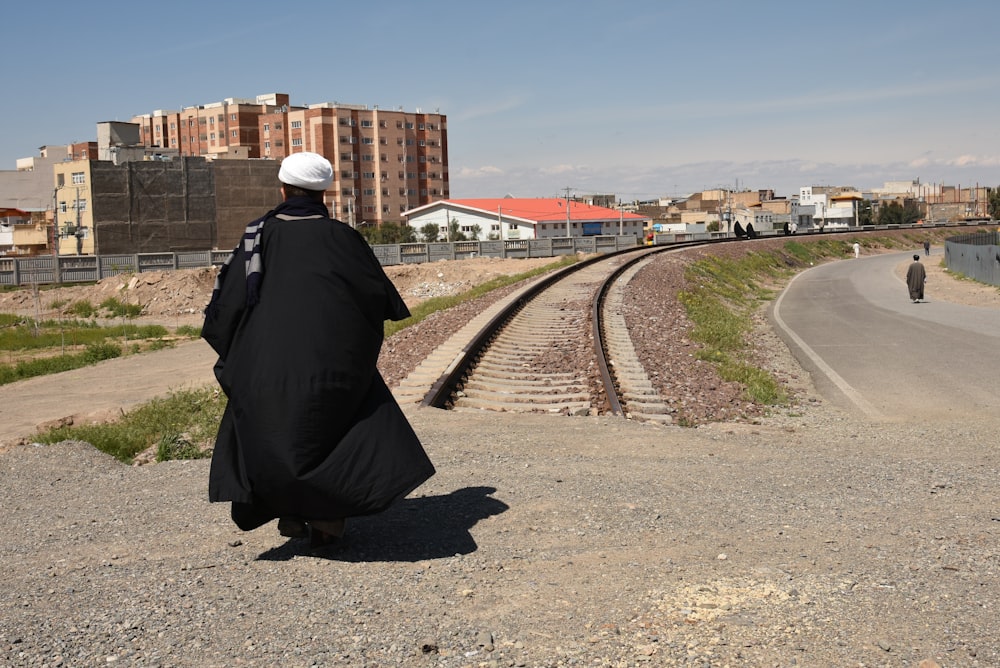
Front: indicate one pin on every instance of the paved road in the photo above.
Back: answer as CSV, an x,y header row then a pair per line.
x,y
852,325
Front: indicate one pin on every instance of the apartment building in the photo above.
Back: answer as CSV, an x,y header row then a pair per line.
x,y
74,221
385,161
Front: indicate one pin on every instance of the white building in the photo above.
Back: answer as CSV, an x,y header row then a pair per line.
x,y
519,218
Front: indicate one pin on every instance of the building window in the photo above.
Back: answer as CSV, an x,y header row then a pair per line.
x,y
232,117
367,124
62,207
267,145
368,175
296,142
212,136
78,178
267,127
60,180
369,192
81,205
296,125
346,157
367,140
235,133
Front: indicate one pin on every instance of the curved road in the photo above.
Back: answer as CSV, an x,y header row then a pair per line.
x,y
868,348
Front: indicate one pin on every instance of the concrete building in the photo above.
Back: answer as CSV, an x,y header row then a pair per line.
x,y
385,161
517,218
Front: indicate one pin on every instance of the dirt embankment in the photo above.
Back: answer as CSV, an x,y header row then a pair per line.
x,y
174,298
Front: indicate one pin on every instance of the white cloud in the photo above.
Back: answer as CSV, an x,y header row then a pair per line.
x,y
478,172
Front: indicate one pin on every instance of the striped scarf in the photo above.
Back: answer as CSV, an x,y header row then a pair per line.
x,y
253,247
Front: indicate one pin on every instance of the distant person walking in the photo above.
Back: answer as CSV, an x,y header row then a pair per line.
x,y
927,247
916,276
857,250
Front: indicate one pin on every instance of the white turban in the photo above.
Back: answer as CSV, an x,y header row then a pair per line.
x,y
309,171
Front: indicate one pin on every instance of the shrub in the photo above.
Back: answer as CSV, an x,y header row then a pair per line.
x,y
97,352
82,309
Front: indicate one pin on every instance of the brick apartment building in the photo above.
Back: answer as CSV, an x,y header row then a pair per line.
x,y
385,161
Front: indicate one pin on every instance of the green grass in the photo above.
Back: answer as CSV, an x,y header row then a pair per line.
x,y
41,366
34,339
179,425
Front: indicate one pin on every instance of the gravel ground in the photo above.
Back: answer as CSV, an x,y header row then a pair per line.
x,y
804,537
542,541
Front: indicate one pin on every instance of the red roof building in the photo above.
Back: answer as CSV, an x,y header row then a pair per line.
x,y
524,218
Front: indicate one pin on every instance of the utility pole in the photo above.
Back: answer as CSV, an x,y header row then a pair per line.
x,y
568,233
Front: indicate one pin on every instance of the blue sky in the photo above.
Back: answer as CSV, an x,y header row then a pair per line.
x,y
636,98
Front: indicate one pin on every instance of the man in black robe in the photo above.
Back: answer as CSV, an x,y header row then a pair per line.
x,y
311,435
916,276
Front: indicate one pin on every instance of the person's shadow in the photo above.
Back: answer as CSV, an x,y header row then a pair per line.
x,y
429,527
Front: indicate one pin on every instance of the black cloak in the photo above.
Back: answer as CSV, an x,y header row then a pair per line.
x,y
310,430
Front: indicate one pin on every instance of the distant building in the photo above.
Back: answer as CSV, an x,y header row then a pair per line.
x,y
385,161
524,218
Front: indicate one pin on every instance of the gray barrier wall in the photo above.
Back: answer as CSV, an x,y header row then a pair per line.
x,y
44,269
974,255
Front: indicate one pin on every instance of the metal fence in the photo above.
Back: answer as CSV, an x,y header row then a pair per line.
x,y
975,255
42,269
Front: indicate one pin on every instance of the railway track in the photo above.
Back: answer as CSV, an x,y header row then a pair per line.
x,y
523,354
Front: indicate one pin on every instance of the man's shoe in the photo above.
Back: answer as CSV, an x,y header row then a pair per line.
x,y
290,527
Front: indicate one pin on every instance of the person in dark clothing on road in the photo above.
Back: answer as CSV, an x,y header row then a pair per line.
x,y
311,435
916,276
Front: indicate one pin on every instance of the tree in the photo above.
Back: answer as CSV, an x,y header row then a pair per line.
x,y
454,233
388,233
993,202
895,213
865,214
429,233
476,231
